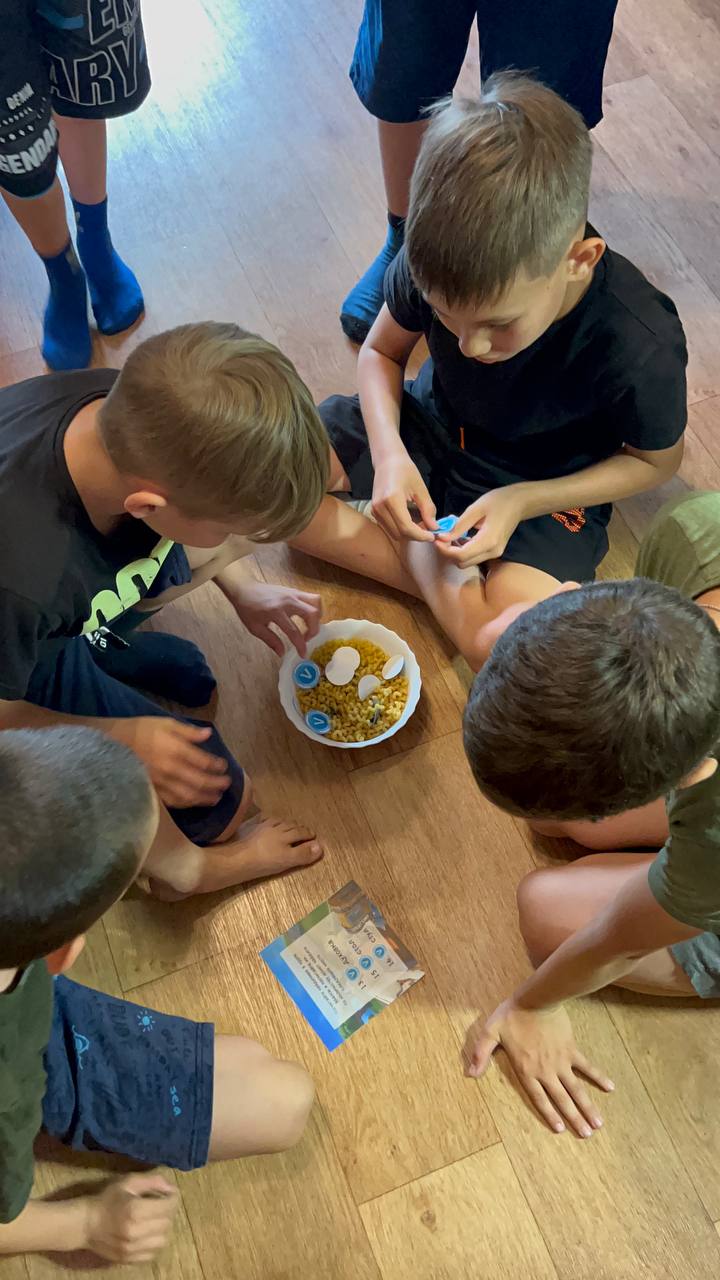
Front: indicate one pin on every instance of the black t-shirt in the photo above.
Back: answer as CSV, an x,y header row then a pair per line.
x,y
610,372
59,577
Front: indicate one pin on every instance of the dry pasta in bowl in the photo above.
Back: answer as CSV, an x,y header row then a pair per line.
x,y
353,719
358,684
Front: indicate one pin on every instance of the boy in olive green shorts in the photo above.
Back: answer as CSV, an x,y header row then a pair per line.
x,y
621,752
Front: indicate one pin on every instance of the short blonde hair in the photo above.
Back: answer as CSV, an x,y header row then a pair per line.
x,y
501,184
221,420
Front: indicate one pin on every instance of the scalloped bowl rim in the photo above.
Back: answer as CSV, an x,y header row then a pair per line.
x,y
350,629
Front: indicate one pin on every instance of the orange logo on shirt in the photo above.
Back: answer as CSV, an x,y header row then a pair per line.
x,y
573,520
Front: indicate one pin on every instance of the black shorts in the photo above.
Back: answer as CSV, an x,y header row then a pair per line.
x,y
128,1080
83,58
69,680
409,52
569,545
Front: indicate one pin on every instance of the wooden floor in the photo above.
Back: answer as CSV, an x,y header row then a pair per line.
x,y
248,188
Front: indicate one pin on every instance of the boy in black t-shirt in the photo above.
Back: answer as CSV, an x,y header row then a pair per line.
x,y
118,491
78,815
555,384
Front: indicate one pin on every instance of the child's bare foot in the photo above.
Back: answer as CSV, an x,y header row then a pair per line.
x,y
263,847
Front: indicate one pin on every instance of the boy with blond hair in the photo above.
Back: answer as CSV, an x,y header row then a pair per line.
x,y
206,439
78,816
555,383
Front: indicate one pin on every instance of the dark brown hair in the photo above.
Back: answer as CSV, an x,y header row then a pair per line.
x,y
595,701
501,183
77,812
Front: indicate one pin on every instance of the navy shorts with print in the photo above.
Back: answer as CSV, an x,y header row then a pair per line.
x,y
569,545
409,52
128,1080
68,679
83,58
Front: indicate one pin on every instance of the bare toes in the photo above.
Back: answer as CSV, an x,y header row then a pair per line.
x,y
308,851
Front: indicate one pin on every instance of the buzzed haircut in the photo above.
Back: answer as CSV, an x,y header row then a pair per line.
x,y
595,701
501,185
76,812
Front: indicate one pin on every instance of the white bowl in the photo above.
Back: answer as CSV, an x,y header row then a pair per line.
x,y
350,629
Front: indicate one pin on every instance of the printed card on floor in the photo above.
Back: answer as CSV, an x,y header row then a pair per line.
x,y
342,964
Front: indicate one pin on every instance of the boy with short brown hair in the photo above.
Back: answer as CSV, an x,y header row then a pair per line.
x,y
97,1073
555,383
206,438
597,718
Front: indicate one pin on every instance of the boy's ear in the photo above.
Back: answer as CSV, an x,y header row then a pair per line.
x,y
64,958
143,503
584,257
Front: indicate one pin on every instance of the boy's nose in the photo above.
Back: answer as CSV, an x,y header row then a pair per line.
x,y
475,344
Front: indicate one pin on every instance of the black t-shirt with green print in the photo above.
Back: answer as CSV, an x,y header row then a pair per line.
x,y
59,577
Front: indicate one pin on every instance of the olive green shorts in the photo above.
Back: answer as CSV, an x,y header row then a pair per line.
x,y
700,959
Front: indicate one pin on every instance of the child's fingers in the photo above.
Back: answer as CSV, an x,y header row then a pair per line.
x,y
479,1051
542,1103
593,1073
197,759
393,516
563,1094
310,598
293,633
269,637
193,732
149,1184
427,509
580,1096
476,551
310,610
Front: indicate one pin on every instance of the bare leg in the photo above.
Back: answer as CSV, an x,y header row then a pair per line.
x,y
260,1103
463,602
342,536
555,902
249,848
43,220
638,828
399,147
83,150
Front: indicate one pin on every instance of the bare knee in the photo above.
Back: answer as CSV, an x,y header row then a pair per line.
x,y
261,1104
590,835
534,901
294,1097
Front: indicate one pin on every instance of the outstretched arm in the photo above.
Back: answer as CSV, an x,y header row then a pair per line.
x,y
533,1026
129,1221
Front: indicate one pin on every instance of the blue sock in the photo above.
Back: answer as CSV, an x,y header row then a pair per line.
x,y
115,294
66,333
360,308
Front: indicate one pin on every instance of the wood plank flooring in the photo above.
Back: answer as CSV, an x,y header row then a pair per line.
x,y
248,188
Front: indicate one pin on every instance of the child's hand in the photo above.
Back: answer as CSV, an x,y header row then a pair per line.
x,y
398,482
182,773
497,515
258,604
130,1220
541,1047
